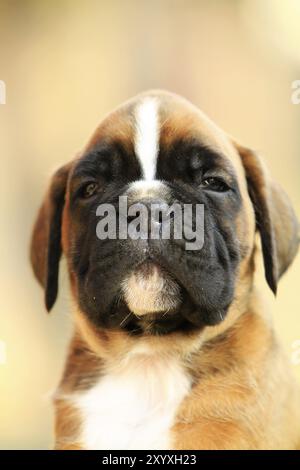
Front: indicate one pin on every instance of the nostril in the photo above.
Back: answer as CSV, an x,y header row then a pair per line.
x,y
130,218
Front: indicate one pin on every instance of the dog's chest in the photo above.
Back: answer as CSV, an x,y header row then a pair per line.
x,y
134,407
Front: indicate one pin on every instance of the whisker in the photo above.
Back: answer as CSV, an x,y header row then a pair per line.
x,y
124,319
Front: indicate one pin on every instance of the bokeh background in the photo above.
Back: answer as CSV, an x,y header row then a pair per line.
x,y
65,65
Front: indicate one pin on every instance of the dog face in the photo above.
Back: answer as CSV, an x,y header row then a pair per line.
x,y
159,149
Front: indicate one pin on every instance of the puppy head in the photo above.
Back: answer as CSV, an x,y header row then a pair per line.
x,y
158,148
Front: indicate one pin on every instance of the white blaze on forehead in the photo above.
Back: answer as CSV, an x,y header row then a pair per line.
x,y
153,188
146,142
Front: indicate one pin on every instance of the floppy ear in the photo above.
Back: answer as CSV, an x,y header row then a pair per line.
x,y
275,217
45,251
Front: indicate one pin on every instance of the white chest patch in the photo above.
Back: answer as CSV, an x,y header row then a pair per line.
x,y
147,136
134,407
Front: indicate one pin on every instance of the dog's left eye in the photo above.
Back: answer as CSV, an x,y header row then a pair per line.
x,y
214,184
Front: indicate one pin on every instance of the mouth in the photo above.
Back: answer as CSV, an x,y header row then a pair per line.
x,y
157,304
151,290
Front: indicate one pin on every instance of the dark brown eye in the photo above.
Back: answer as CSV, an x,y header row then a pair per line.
x,y
214,184
89,190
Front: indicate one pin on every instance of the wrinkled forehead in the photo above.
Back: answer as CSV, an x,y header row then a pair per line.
x,y
148,125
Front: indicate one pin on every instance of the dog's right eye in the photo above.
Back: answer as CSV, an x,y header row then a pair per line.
x,y
214,184
89,190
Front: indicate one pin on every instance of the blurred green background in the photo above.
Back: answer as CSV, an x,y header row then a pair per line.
x,y
65,65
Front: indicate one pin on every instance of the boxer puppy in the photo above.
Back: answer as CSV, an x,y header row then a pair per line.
x,y
173,348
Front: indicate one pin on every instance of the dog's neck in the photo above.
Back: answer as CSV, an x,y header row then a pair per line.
x,y
239,331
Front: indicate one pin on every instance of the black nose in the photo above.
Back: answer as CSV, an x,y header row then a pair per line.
x,y
151,213
156,209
